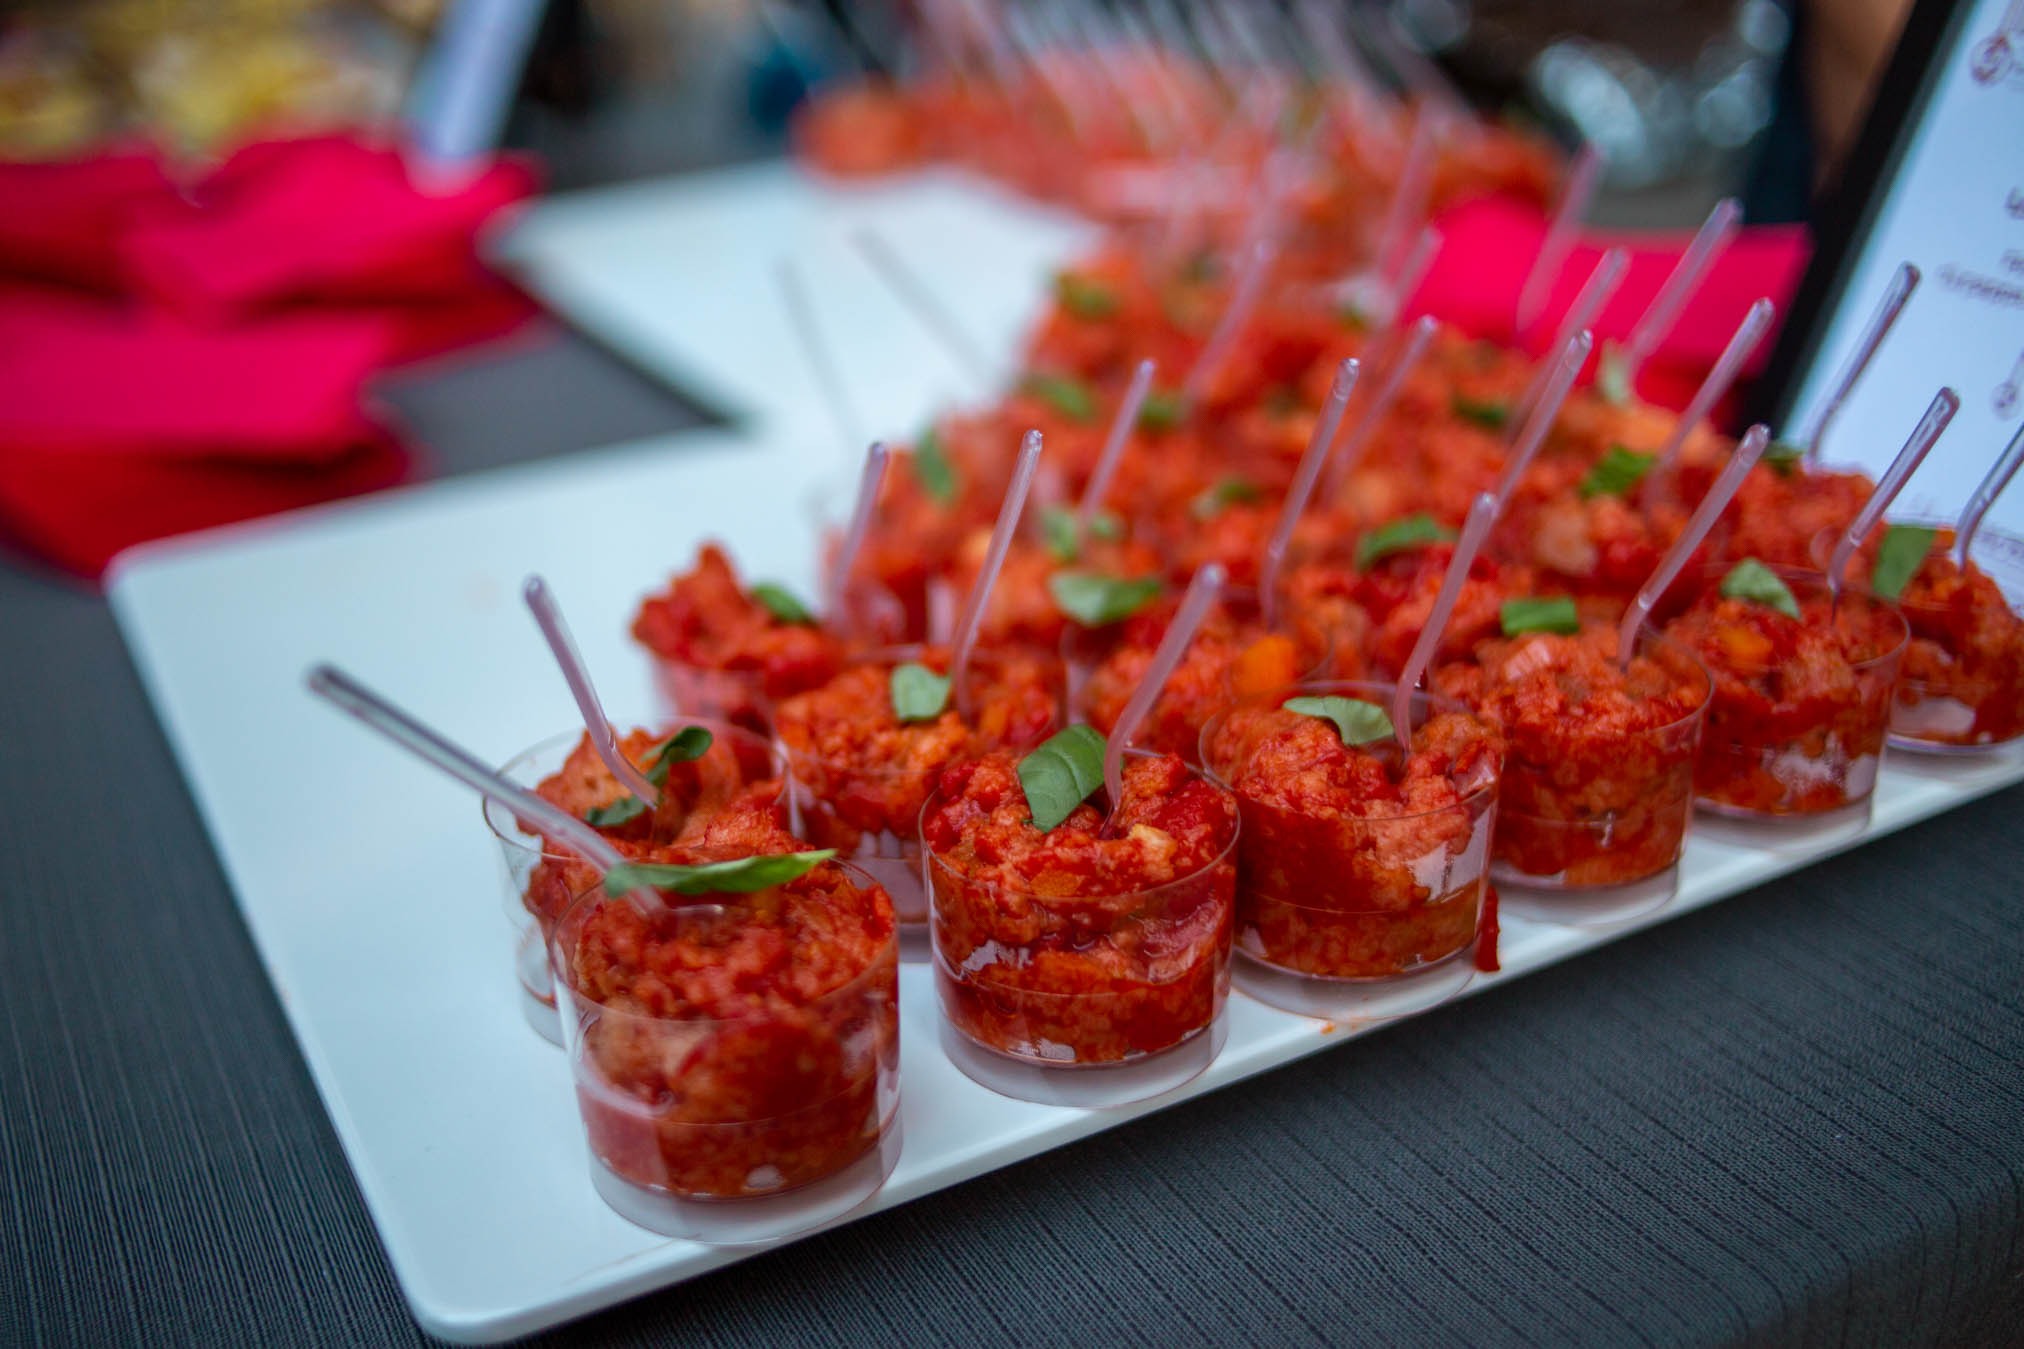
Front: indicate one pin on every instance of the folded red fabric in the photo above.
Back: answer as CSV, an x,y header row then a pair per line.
x,y
317,221
1488,247
100,376
82,510
221,372
63,222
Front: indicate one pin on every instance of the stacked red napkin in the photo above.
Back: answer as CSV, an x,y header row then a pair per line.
x,y
1488,247
175,359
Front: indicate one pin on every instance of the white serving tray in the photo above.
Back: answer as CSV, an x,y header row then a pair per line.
x,y
681,276
368,882
371,888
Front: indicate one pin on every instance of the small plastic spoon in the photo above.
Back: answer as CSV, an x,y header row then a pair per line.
x,y
972,620
920,302
869,484
1741,343
1302,489
1475,529
1559,238
1409,195
1986,494
1572,357
1390,382
1595,293
1244,297
801,315
1203,592
548,617
1902,283
1924,436
1712,505
1657,320
1113,446
348,695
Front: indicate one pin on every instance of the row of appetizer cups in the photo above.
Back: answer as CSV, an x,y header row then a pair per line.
x,y
1340,957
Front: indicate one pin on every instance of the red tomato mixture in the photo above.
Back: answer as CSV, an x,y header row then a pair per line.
x,y
1077,945
721,653
732,790
1354,865
1230,657
1598,775
1963,677
1796,724
743,1049
865,772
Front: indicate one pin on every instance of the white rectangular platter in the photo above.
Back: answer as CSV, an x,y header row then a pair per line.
x,y
370,885
681,276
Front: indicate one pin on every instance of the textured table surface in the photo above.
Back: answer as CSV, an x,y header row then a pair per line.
x,y
1796,1117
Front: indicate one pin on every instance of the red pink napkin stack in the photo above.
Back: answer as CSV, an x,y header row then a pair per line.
x,y
176,356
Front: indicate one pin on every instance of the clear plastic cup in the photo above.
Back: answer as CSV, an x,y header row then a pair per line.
x,y
1770,754
1082,998
1351,918
869,808
739,1130
1600,815
1960,689
541,880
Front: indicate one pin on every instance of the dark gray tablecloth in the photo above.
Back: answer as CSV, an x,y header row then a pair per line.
x,y
1797,1117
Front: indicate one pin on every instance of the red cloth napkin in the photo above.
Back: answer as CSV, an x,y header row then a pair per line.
x,y
317,221
221,372
1488,246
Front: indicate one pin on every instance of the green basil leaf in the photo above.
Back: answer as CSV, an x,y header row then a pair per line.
x,y
1352,317
1412,531
1069,397
1061,533
781,603
1536,613
1103,525
1753,581
622,811
1616,473
1211,501
1084,298
691,742
1093,600
738,876
1202,266
1357,722
918,693
1899,558
1489,413
1783,458
1061,773
1163,410
937,475
684,746
1280,402
1612,376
